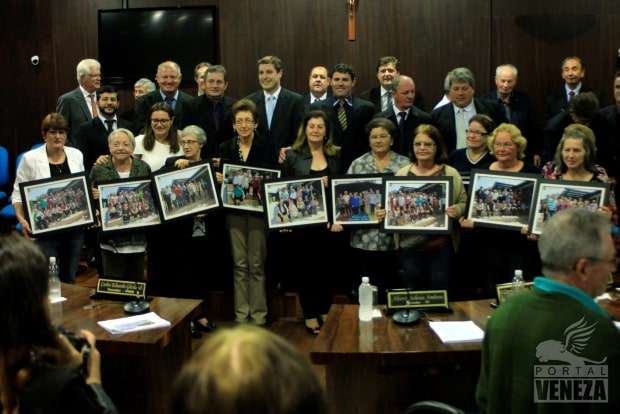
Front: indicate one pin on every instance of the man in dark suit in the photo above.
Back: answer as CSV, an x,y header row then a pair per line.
x,y
452,119
80,105
381,96
404,114
212,111
610,116
92,136
517,108
573,72
279,110
348,115
318,84
168,78
142,87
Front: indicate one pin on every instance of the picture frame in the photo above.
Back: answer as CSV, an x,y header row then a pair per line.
x,y
417,204
502,200
309,209
246,195
57,204
354,199
553,196
127,204
185,192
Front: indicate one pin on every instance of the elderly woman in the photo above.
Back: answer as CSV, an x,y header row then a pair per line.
x,y
247,232
373,249
160,139
476,154
424,257
52,160
508,145
39,368
122,255
312,153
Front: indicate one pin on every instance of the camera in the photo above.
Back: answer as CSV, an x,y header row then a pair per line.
x,y
35,60
81,345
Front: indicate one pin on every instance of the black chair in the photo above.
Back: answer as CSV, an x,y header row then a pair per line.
x,y
423,407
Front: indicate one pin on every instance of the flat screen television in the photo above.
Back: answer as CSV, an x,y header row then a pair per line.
x,y
132,42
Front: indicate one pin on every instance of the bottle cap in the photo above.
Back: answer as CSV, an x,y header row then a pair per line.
x,y
365,279
52,259
518,272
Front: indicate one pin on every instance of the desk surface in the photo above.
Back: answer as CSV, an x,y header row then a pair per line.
x,y
344,336
79,311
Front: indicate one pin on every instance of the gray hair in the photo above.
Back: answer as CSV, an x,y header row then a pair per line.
x,y
509,66
83,68
170,64
197,132
398,79
145,83
570,235
463,75
125,131
215,69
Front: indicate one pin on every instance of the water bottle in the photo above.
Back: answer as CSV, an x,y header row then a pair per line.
x,y
517,281
54,281
365,298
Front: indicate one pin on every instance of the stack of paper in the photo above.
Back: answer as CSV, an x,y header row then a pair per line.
x,y
134,323
462,331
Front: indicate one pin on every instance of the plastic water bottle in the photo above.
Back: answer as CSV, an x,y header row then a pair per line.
x,y
365,298
54,281
517,281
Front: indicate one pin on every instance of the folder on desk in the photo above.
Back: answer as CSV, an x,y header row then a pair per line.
x,y
457,331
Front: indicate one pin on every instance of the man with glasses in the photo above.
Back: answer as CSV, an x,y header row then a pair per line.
x,y
80,105
554,343
168,79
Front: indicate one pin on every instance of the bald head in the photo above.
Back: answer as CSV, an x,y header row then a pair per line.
x,y
404,92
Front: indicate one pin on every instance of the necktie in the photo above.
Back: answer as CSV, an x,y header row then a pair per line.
x,y
171,102
271,105
216,115
388,101
109,125
461,136
571,95
342,116
93,105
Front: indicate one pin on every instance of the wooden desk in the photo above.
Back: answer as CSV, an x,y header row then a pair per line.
x,y
138,368
381,367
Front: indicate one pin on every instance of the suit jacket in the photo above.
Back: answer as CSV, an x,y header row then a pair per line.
x,y
353,141
521,115
402,142
556,102
35,166
92,139
298,163
201,114
182,109
287,116
73,107
307,101
374,96
444,120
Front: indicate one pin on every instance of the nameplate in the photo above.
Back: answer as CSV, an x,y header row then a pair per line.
x,y
411,299
504,290
118,287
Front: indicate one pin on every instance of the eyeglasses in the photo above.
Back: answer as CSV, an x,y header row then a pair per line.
x,y
189,142
160,121
504,145
473,131
424,144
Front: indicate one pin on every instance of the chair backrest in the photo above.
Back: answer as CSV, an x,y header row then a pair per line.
x,y
18,160
36,145
4,166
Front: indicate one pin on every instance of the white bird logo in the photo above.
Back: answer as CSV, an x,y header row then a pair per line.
x,y
576,338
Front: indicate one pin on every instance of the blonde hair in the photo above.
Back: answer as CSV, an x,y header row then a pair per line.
x,y
515,135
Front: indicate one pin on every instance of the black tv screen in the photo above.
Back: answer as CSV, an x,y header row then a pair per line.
x,y
132,42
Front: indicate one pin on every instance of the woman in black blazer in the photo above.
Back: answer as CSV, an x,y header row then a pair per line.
x,y
313,153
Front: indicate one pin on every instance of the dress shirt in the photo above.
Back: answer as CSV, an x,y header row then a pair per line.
x,y
314,99
568,90
468,112
104,119
386,99
89,102
175,97
397,111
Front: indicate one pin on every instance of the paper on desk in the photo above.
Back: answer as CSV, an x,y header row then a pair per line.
x,y
617,324
57,300
134,323
462,331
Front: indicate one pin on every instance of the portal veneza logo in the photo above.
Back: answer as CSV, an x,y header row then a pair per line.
x,y
576,379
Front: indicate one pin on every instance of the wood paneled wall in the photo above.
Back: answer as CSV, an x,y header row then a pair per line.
x,y
429,36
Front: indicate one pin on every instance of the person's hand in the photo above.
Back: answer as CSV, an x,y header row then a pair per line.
x,y
525,230
532,237
537,160
282,154
325,180
219,177
93,375
26,231
102,159
335,228
466,223
96,193
181,163
380,214
605,210
216,162
452,211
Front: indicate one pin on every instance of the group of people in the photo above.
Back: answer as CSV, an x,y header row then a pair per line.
x,y
54,206
183,193
296,202
500,202
244,187
411,207
357,205
128,206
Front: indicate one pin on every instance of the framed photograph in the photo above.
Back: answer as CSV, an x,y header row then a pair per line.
x,y
56,204
417,204
293,203
553,196
355,199
242,188
127,204
185,192
501,199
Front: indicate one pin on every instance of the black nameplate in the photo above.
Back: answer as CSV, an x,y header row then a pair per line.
x,y
410,299
118,287
504,290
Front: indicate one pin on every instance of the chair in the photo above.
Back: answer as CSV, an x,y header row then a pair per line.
x,y
7,213
430,406
4,173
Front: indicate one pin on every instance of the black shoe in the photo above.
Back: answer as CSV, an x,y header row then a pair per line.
x,y
208,327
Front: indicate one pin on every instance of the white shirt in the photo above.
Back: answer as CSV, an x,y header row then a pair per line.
x,y
469,111
398,111
568,90
103,119
88,101
314,99
155,158
276,93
